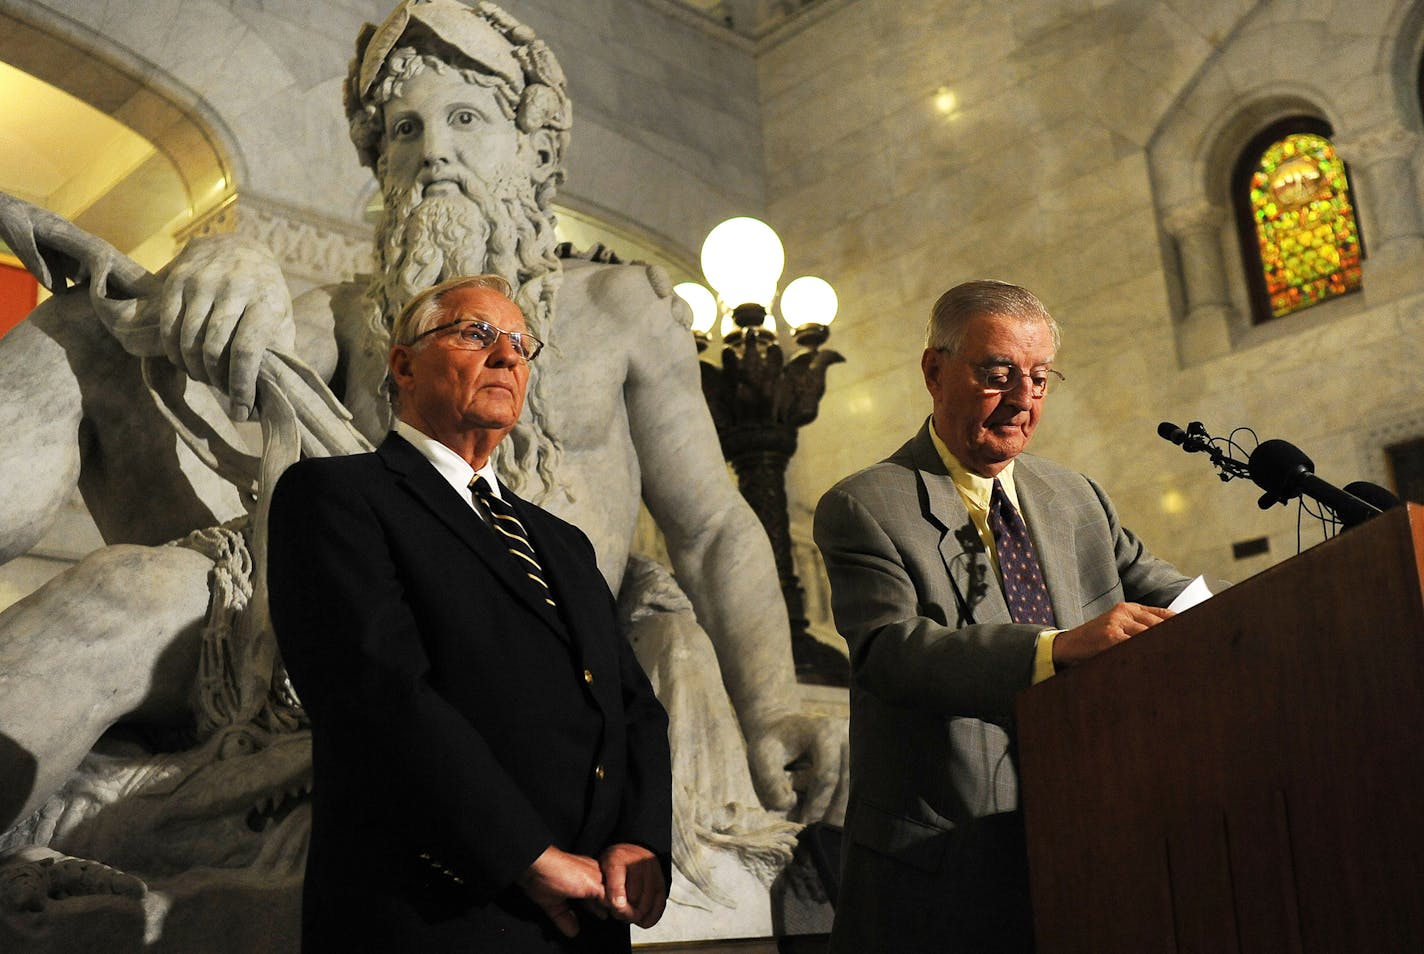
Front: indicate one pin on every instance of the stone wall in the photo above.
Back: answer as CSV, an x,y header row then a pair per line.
x,y
244,98
900,146
1035,169
666,135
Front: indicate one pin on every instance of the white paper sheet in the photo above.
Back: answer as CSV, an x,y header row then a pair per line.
x,y
1195,592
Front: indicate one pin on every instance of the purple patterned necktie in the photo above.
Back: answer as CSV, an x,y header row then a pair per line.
x,y
1024,589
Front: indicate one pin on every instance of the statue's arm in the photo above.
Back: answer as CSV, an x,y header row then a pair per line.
x,y
215,309
719,551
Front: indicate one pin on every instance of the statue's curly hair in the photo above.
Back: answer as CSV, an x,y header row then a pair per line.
x,y
543,103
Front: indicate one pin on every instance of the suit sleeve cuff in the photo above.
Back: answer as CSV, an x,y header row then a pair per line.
x,y
1043,655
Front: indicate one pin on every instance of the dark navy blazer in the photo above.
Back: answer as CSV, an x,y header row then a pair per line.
x,y
460,724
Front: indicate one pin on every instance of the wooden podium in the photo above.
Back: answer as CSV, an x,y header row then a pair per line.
x,y
1248,776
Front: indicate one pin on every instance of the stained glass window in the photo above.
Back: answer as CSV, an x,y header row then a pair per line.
x,y
1299,231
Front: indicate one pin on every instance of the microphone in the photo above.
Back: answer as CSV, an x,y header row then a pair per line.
x,y
1193,440
1283,471
1196,440
1373,494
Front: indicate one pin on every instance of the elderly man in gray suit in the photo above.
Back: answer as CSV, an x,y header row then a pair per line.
x,y
962,571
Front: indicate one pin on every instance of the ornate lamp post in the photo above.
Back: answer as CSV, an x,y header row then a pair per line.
x,y
759,398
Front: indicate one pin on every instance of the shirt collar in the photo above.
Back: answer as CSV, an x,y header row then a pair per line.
x,y
975,490
455,469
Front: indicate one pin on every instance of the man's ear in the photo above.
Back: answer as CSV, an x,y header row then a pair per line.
x,y
398,364
930,363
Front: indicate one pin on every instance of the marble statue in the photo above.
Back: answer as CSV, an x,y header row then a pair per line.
x,y
463,115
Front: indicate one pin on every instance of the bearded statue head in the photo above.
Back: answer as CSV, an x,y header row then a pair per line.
x,y
464,116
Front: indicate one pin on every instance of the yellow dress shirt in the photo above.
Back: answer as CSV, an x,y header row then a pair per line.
x,y
976,491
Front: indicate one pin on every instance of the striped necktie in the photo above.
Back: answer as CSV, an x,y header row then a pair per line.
x,y
1024,589
516,538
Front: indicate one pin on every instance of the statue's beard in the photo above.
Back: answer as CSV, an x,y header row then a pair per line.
x,y
433,240
421,241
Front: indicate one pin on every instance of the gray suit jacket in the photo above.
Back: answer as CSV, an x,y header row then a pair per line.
x,y
936,662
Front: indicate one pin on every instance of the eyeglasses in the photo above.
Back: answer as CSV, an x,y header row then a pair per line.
x,y
1002,378
477,335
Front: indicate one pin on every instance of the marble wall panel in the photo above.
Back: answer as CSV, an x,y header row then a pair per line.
x,y
1168,45
1217,20
844,37
830,132
270,73
666,134
1110,318
1040,177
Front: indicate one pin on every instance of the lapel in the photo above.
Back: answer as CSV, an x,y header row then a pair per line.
x,y
1053,537
577,584
418,477
979,597
584,605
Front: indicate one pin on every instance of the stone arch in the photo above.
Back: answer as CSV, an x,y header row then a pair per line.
x,y
1263,73
113,79
1403,59
1237,129
1330,265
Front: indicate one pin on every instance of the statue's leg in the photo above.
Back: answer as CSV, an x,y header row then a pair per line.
x,y
74,410
720,828
114,637
40,405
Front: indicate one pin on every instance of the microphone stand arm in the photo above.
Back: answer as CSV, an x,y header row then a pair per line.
x,y
1228,466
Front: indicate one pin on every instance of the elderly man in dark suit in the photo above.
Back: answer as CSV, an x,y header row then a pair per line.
x,y
491,765
962,571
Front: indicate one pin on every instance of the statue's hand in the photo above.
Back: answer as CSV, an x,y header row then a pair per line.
x,y
53,249
793,753
33,876
223,303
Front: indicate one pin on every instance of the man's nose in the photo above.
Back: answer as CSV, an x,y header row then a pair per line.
x,y
1018,397
1020,393
502,353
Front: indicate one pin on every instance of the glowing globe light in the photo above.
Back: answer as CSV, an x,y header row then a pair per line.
x,y
809,300
702,302
742,259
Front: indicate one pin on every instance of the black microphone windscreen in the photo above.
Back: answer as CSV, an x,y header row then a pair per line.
x,y
1171,432
1276,467
1372,494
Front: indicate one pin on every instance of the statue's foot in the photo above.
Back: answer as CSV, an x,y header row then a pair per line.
x,y
33,876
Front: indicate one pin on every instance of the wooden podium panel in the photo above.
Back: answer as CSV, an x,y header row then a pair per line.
x,y
1247,776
